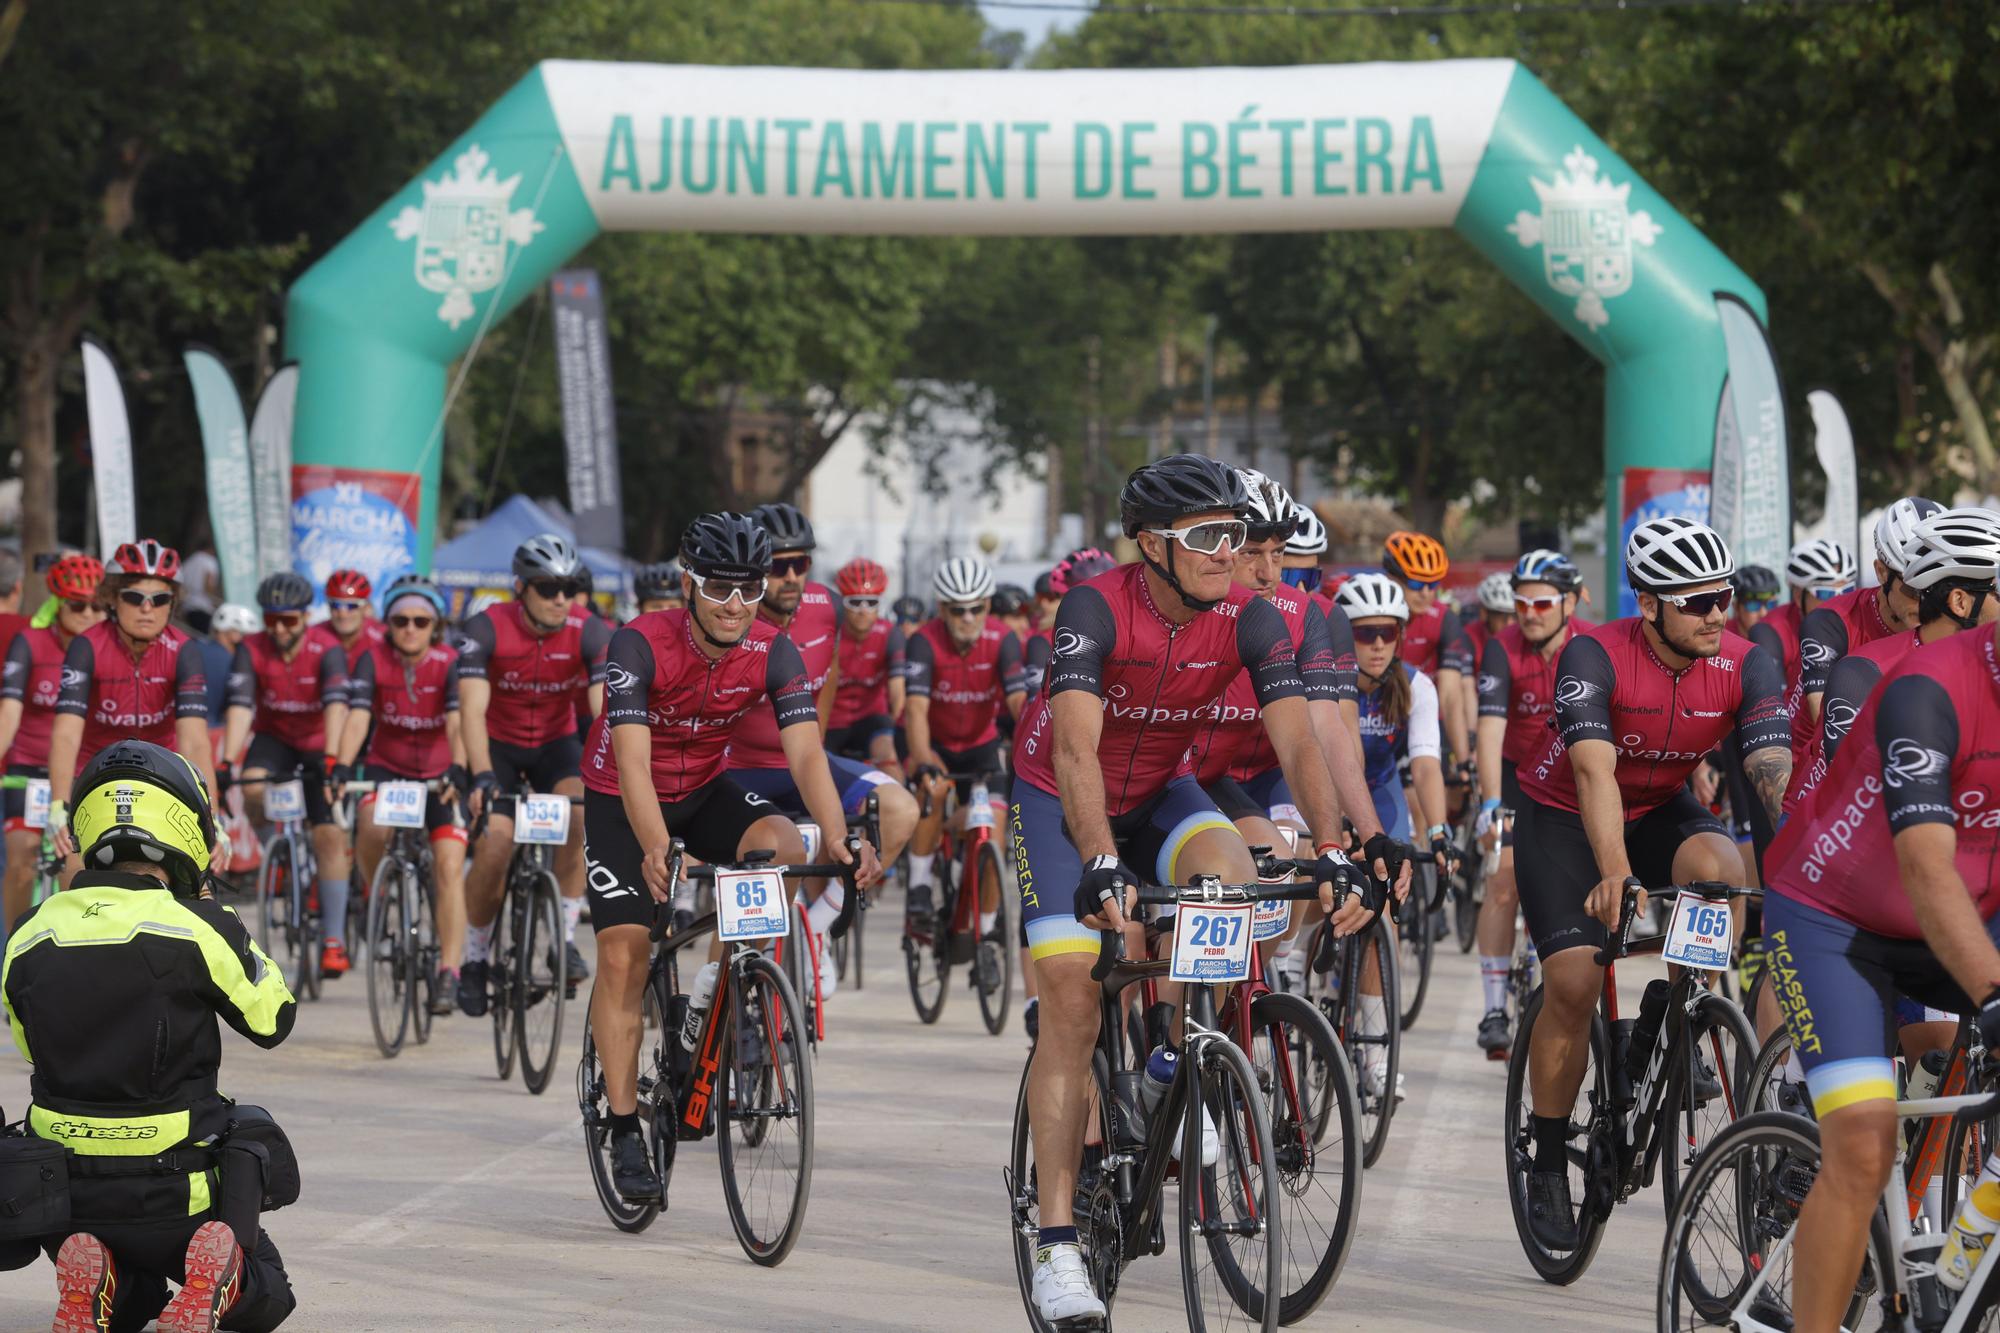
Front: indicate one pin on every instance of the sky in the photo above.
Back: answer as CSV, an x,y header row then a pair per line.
x,y
1036,23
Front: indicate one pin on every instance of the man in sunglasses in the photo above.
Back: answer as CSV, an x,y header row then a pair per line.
x,y
869,695
524,667
348,622
657,586
1639,703
294,686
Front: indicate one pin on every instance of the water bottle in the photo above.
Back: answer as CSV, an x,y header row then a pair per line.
x,y
1161,1066
1652,1009
1978,1219
699,998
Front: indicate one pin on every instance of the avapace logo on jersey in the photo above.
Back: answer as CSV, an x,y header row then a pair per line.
x,y
1631,746
618,679
1837,838
1839,719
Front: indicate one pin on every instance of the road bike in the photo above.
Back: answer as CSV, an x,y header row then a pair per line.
x,y
807,957
1335,972
403,949
288,915
527,978
970,869
849,957
48,865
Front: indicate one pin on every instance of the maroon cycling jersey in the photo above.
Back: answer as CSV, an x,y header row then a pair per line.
x,y
123,698
408,703
1158,680
536,679
1778,635
1435,641
966,689
1924,750
1611,686
289,696
1342,634
33,677
657,677
1518,683
1848,686
1235,743
867,663
372,633
1035,655
1828,633
813,631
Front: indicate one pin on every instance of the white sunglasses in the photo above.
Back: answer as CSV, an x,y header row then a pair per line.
x,y
748,591
1208,538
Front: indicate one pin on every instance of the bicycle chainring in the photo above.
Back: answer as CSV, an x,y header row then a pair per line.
x,y
1101,1228
1600,1171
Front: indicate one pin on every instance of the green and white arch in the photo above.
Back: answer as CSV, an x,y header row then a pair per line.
x,y
576,149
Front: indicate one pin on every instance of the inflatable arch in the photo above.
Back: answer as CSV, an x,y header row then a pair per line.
x,y
578,148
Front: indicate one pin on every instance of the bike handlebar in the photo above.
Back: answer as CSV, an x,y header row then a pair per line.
x,y
1206,890
1710,890
678,870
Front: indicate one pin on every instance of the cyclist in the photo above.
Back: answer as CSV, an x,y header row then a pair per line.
x,y
1046,601
909,612
1303,551
1143,652
676,684
523,668
232,624
964,666
295,686
402,706
1517,698
1434,642
1496,612
348,622
1013,607
29,687
1639,703
1080,565
658,587
869,697
1816,571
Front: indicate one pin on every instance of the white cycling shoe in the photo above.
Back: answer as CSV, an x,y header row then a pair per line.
x,y
1063,1294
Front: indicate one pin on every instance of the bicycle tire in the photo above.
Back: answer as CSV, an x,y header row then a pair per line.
x,y
1415,944
994,943
1378,1103
424,947
388,963
767,1029
1559,1268
500,974
653,1084
926,960
269,886
1722,1036
1098,1225
857,934
540,983
1245,1175
1466,900
1762,1091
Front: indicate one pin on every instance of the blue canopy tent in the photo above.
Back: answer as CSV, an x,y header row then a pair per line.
x,y
476,568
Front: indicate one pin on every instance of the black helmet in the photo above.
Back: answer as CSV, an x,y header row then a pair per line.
x,y
1010,599
547,555
139,801
1045,583
652,582
1754,583
790,530
907,610
732,545
284,591
1176,486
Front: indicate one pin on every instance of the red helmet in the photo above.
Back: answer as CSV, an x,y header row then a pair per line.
x,y
347,585
861,578
148,559
74,577
1079,566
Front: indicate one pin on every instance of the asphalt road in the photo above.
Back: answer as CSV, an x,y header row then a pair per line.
x,y
438,1198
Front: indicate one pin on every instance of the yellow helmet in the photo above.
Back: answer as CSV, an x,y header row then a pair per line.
x,y
136,801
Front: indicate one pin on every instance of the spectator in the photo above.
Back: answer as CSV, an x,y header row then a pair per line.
x,y
201,583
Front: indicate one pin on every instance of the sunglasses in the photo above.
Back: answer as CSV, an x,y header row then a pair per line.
x,y
347,606
863,603
1825,594
748,591
148,600
79,608
283,619
791,564
1759,603
1700,604
1305,580
966,612
412,622
1420,585
1537,604
1377,633
549,590
1208,538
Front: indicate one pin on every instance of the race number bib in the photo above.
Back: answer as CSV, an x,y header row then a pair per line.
x,y
809,832
542,819
400,805
285,801
1699,935
1212,943
751,905
1271,918
36,808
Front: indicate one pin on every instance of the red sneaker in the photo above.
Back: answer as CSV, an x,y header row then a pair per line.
x,y
212,1275
86,1284
333,959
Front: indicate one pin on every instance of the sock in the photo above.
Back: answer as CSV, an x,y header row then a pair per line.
x,y
1988,1173
920,875
479,941
1056,1236
1374,1022
333,908
625,1124
572,909
826,907
986,920
1493,979
1551,1142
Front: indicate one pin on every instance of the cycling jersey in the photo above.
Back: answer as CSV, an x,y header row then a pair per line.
x,y
966,689
289,696
1385,744
536,679
1518,683
1848,686
1157,679
120,698
1434,640
1831,631
812,631
867,664
1778,635
656,676
33,677
1035,655
1235,743
371,633
1611,686
407,703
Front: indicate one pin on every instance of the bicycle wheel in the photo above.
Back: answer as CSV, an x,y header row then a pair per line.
x,y
1590,1167
389,962
1466,897
769,1100
1232,1214
1309,1097
926,958
1722,1053
654,1091
1415,942
500,971
1374,1045
271,897
1775,1084
1098,1225
539,982
422,914
856,934
993,960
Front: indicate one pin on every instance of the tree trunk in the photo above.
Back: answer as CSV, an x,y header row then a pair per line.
x,y
1052,493
35,410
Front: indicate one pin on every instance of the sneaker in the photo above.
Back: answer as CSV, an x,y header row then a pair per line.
x,y
1031,1019
987,966
575,970
632,1169
86,1285
212,1275
918,904
1494,1037
1551,1215
1063,1294
1211,1142
829,974
444,989
1707,1087
333,960
472,997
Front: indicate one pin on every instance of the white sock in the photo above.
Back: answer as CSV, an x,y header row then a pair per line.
x,y
826,907
572,913
921,869
479,941
1373,1021
1793,1071
1493,979
986,920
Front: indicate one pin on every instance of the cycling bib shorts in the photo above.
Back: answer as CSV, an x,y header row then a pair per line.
x,y
711,823
1555,881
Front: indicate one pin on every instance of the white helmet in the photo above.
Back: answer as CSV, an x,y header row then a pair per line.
x,y
1496,592
1310,537
1676,552
963,579
1894,528
1821,563
1272,510
1367,595
1954,544
237,617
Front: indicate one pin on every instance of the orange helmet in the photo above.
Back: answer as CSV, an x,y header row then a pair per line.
x,y
1414,558
861,578
75,576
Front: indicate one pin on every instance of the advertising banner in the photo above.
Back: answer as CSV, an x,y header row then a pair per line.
x,y
590,429
225,447
271,470
1752,502
1656,492
1833,442
353,518
110,449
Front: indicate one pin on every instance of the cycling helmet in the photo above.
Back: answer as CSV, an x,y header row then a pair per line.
x,y
1496,593
75,576
1367,595
908,610
729,544
963,579
861,577
1754,583
1079,566
136,801
1176,486
1272,512
284,591
1675,552
1310,536
650,582
1010,599
413,585
348,585
1954,544
1414,558
1820,563
547,555
1045,584
1542,565
146,558
790,529
235,617
1893,529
